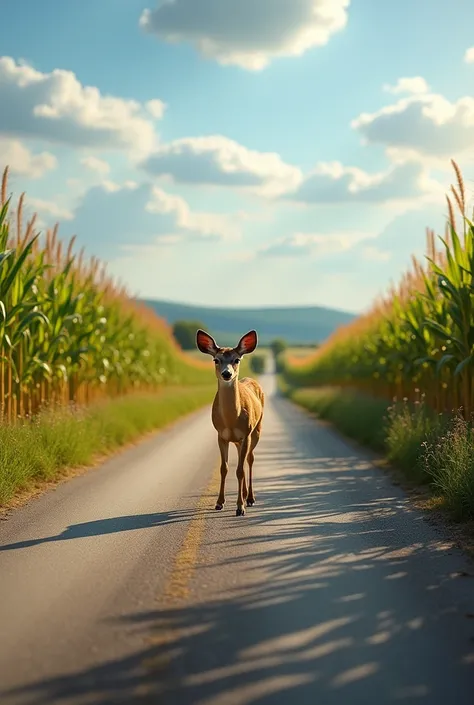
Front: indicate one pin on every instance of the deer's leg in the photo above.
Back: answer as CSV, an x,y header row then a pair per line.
x,y
244,449
244,484
224,449
254,439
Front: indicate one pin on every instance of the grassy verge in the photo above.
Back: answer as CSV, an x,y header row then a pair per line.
x,y
338,406
430,451
60,439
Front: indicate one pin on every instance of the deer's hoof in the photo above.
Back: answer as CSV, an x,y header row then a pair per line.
x,y
250,502
219,507
239,512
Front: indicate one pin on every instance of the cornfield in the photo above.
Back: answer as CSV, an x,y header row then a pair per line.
x,y
417,341
68,332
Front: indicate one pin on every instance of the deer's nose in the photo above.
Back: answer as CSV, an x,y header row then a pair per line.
x,y
226,374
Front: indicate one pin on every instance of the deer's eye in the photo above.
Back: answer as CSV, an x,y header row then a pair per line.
x,y
236,361
216,361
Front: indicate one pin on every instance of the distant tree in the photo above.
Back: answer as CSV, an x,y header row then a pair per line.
x,y
278,346
257,364
185,333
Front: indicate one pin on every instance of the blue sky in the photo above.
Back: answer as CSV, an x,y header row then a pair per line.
x,y
260,152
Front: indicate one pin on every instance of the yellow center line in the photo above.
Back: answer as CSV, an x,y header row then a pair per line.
x,y
178,584
177,587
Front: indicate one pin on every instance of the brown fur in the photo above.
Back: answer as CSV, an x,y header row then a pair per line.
x,y
237,411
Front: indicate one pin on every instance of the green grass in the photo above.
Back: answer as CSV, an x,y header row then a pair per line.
x,y
449,461
361,418
60,439
408,429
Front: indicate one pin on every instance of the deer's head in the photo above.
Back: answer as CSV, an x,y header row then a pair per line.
x,y
226,360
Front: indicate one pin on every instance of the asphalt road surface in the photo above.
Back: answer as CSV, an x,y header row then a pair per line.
x,y
125,586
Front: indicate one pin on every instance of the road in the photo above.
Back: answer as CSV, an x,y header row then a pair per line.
x,y
125,586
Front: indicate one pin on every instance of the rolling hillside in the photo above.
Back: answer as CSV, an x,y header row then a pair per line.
x,y
298,325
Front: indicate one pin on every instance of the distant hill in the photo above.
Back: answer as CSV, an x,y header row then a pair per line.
x,y
302,325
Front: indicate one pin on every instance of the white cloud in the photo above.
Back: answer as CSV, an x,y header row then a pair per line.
x,y
48,211
204,224
23,162
156,108
247,33
469,56
219,161
314,244
426,125
58,108
415,85
112,186
110,216
335,183
375,254
239,257
99,166
154,249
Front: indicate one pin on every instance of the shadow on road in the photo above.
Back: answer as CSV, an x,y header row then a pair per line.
x,y
347,598
101,527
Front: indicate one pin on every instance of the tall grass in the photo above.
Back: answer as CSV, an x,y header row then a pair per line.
x,y
61,438
449,461
357,415
409,435
68,332
418,337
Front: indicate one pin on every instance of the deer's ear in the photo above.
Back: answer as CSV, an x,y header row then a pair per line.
x,y
247,343
206,343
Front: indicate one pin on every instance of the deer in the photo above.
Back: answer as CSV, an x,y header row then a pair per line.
x,y
237,412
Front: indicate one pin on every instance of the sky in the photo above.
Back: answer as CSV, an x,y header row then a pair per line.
x,y
240,153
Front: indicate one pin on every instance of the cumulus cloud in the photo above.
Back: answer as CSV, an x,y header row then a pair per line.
x,y
110,216
99,166
49,210
344,250
313,244
469,56
335,183
166,205
58,108
375,254
156,108
427,125
415,85
23,162
246,33
219,161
